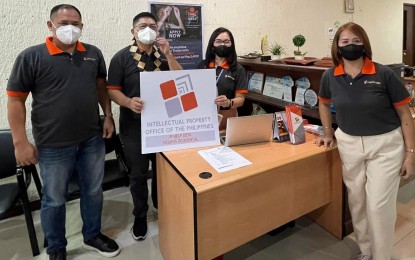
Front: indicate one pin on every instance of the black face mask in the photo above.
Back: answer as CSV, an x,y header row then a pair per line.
x,y
222,50
352,51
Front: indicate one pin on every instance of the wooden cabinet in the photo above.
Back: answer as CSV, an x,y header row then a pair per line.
x,y
313,73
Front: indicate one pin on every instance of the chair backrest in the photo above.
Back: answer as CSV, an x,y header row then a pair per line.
x,y
115,144
119,152
111,143
7,158
116,170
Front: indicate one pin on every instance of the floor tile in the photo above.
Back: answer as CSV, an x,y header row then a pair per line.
x,y
404,249
402,228
306,240
406,202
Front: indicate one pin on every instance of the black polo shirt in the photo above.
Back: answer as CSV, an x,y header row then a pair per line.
x,y
228,82
124,75
64,90
366,104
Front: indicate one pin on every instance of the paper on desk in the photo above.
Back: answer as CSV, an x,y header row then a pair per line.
x,y
224,158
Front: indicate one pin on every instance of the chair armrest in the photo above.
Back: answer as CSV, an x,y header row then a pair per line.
x,y
31,169
23,178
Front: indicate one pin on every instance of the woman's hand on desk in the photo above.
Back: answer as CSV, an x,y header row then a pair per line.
x,y
327,140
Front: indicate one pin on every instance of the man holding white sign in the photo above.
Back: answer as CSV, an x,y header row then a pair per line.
x,y
146,53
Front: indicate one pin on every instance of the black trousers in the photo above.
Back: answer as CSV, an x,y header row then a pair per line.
x,y
130,132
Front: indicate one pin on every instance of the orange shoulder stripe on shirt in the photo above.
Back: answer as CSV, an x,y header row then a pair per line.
x,y
241,91
324,99
114,87
403,102
17,94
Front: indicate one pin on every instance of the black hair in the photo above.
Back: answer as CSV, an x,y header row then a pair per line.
x,y
143,14
64,6
210,55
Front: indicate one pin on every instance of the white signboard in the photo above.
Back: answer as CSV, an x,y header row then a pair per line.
x,y
179,111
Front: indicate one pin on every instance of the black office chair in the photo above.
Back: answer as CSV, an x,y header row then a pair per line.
x,y
116,170
11,193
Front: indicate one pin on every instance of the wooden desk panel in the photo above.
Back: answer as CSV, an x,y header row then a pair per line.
x,y
233,215
177,238
229,209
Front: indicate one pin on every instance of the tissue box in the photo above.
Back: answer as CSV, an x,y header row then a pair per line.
x,y
295,124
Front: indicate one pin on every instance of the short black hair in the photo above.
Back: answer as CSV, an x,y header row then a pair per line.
x,y
144,14
64,6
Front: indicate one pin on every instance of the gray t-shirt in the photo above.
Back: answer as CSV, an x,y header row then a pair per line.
x,y
64,90
364,105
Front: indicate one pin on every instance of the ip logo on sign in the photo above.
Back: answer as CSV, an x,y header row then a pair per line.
x,y
178,95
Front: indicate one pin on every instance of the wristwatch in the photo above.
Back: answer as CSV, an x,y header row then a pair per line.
x,y
230,103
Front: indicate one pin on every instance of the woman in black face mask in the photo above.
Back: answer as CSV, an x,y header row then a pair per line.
x,y
230,76
375,137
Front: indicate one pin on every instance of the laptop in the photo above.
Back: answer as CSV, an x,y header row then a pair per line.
x,y
248,129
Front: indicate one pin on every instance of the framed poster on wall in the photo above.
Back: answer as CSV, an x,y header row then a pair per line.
x,y
182,25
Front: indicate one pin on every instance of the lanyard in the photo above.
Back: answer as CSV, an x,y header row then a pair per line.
x,y
218,77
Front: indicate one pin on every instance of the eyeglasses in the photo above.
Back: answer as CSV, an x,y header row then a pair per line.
x,y
218,42
142,26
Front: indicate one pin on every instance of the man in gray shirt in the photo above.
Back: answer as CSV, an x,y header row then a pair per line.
x,y
67,81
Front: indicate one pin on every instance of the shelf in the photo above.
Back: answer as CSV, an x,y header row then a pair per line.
x,y
313,73
307,112
258,65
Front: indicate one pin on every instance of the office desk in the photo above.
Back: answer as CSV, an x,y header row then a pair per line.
x,y
204,218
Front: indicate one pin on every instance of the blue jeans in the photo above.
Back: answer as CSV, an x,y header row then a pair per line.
x,y
56,167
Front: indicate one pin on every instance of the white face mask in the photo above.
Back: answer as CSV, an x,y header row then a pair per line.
x,y
68,34
147,36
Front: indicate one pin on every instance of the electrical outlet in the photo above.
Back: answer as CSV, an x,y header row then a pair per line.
x,y
349,6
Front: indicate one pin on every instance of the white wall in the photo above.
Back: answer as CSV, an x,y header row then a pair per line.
x,y
107,25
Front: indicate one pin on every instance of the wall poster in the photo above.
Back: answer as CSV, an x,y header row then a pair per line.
x,y
182,25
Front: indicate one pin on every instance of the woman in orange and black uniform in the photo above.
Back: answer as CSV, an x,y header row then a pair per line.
x,y
375,137
230,76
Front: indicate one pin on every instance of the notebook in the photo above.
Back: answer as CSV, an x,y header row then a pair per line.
x,y
248,129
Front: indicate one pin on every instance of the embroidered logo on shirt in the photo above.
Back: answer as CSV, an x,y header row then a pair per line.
x,y
228,76
367,82
178,95
92,59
